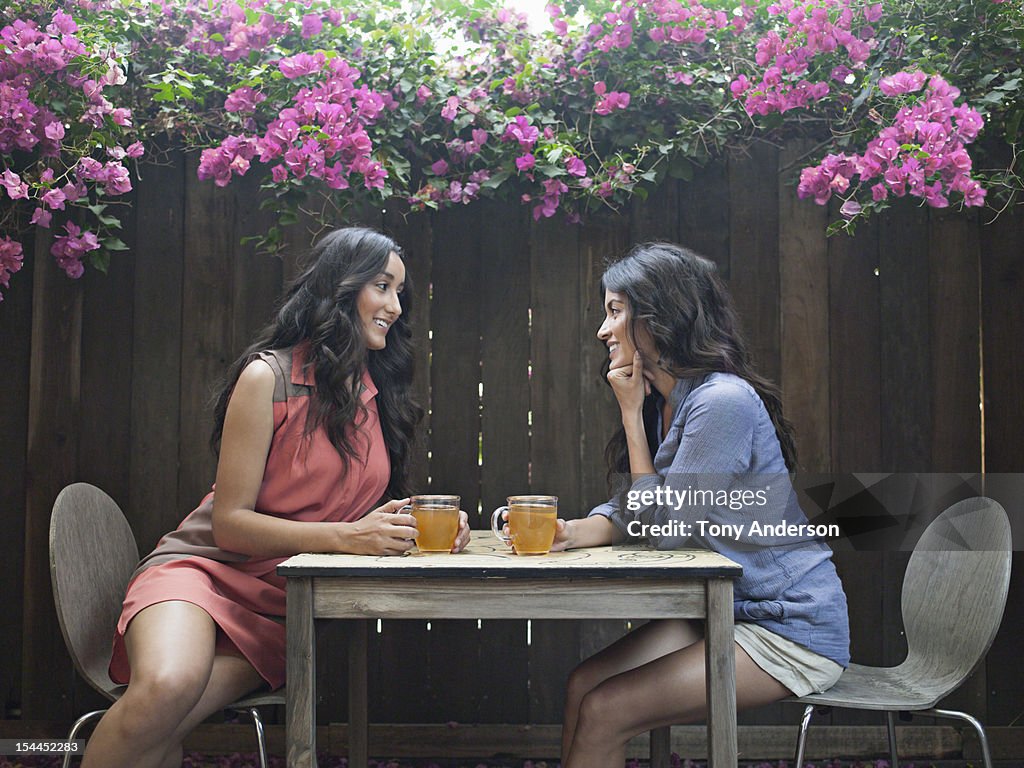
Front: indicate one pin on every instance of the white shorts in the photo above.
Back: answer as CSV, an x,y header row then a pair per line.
x,y
801,670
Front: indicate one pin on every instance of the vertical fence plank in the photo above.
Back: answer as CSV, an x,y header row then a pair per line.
x,y
104,457
906,380
505,337
455,444
906,343
704,213
854,371
15,358
955,342
413,233
153,507
854,363
554,443
52,462
804,330
1002,280
657,217
206,328
956,374
754,252
398,655
257,276
605,237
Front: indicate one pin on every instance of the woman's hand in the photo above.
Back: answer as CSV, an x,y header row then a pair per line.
x,y
593,531
563,538
630,386
384,531
462,537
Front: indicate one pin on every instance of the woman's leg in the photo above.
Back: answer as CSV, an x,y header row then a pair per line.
x,y
231,678
649,642
171,649
668,690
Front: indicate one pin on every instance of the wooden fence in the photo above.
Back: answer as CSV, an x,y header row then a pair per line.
x,y
881,342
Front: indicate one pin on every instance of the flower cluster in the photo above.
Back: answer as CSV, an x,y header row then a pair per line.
x,y
921,154
389,99
811,29
53,113
322,135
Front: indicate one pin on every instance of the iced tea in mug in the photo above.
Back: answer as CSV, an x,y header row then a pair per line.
x,y
437,522
531,523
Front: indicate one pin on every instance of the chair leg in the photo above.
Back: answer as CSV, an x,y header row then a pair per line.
x,y
979,729
890,722
88,716
260,738
801,741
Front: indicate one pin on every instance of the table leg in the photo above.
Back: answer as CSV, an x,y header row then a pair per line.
x,y
358,718
661,747
720,654
300,726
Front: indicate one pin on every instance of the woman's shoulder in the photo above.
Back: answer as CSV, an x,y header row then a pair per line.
x,y
725,391
271,370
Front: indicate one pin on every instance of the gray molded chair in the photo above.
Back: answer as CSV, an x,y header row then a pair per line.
x,y
92,556
954,591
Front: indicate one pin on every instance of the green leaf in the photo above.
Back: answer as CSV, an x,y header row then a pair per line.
x,y
496,180
1013,126
114,244
680,168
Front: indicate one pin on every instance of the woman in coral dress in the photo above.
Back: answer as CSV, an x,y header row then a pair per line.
x,y
314,427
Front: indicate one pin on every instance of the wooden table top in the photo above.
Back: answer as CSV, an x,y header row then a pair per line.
x,y
487,557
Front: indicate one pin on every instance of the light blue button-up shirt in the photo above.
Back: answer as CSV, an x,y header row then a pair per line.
x,y
721,483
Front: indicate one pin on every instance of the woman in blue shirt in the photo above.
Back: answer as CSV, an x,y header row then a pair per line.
x,y
703,434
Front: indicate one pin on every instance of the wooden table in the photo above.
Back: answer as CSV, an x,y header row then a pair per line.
x,y
488,582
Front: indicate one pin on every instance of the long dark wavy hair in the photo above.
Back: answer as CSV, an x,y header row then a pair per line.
x,y
319,308
688,311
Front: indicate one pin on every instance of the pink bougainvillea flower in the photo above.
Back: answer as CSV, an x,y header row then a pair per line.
x,y
874,12
902,82
16,188
450,108
301,64
576,167
312,25
54,130
41,217
54,200
69,249
440,168
11,259
612,100
243,100
520,130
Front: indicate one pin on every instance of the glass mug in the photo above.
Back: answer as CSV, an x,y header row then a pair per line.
x,y
531,523
437,521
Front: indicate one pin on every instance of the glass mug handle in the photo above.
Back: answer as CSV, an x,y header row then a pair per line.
x,y
497,524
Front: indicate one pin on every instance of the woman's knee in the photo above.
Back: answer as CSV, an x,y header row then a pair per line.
x,y
598,711
582,680
164,695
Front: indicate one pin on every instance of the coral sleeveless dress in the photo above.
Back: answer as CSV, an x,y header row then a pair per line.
x,y
305,479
